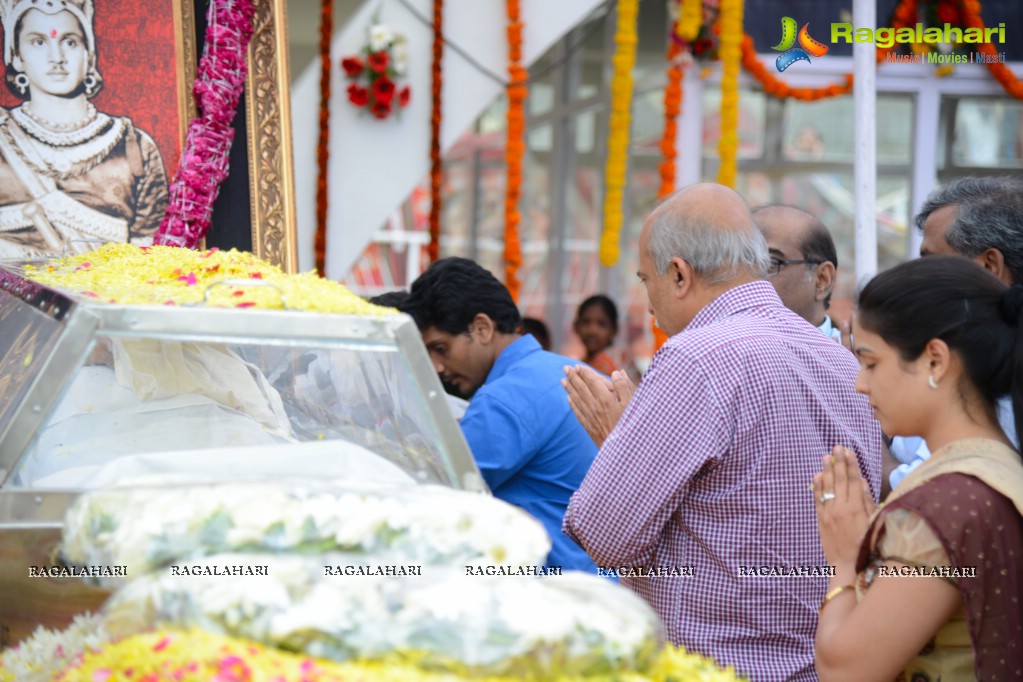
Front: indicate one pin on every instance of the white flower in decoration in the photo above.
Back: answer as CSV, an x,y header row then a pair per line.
x,y
517,626
145,529
399,53
540,611
380,37
41,657
252,518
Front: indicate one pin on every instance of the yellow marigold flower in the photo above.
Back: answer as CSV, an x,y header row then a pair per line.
x,y
168,275
196,656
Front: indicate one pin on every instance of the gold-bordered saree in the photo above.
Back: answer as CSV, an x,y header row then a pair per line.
x,y
961,509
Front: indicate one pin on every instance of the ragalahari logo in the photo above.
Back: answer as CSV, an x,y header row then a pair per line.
x,y
807,46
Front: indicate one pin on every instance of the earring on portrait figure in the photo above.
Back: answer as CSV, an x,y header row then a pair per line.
x,y
90,84
21,82
932,383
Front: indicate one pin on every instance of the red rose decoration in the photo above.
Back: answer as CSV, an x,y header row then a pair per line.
x,y
702,45
358,96
353,66
378,61
948,13
383,90
372,77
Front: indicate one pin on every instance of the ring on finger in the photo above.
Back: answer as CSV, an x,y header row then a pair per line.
x,y
827,497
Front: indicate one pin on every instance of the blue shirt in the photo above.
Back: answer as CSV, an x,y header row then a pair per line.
x,y
830,330
530,448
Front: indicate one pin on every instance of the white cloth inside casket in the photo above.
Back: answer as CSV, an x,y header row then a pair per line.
x,y
320,460
102,431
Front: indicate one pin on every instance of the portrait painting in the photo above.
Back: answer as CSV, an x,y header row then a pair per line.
x,y
96,102
95,105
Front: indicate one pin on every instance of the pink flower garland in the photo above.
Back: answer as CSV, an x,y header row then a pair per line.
x,y
204,160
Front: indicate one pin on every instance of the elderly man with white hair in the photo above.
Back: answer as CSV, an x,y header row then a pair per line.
x,y
700,495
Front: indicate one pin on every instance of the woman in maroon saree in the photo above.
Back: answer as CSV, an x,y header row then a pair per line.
x,y
928,585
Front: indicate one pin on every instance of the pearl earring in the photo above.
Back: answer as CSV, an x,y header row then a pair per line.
x,y
931,382
21,82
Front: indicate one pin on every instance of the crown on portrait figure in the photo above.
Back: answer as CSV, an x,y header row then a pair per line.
x,y
12,10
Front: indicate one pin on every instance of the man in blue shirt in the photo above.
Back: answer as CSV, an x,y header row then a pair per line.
x,y
529,446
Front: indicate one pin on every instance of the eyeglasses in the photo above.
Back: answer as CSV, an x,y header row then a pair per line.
x,y
777,264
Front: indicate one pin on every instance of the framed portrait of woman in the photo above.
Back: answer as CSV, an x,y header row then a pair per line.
x,y
94,113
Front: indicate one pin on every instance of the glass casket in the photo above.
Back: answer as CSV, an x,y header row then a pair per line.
x,y
98,394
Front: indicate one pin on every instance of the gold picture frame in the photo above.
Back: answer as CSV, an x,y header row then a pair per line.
x,y
271,162
268,126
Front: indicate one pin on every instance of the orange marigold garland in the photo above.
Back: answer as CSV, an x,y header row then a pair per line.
x,y
514,150
672,109
1002,73
326,31
436,163
905,15
778,88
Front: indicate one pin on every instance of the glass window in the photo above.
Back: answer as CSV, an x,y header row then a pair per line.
x,y
653,38
752,117
535,223
584,205
825,130
830,196
988,133
803,156
635,337
587,47
541,84
495,118
647,122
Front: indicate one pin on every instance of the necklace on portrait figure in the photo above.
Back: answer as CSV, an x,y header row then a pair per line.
x,y
66,152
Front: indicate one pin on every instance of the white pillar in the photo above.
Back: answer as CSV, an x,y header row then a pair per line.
x,y
689,136
925,157
865,166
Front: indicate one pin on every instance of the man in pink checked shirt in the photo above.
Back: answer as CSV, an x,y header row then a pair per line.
x,y
707,465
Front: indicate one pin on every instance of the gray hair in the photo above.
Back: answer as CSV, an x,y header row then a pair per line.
x,y
989,215
717,255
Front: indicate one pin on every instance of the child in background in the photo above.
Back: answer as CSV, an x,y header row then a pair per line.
x,y
531,325
596,325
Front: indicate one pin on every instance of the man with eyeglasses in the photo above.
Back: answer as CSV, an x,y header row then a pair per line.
x,y
803,262
802,269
